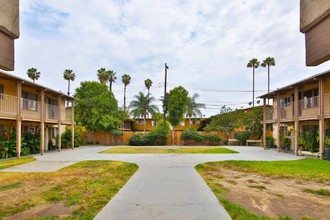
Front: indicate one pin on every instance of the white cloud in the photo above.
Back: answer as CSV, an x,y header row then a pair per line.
x,y
206,45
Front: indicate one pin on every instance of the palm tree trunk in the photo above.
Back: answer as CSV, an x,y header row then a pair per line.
x,y
268,83
144,124
125,98
253,89
110,86
189,122
68,87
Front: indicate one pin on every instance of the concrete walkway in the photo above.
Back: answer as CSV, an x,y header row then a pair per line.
x,y
166,186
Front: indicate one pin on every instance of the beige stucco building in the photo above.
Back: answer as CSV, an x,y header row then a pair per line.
x,y
315,23
9,30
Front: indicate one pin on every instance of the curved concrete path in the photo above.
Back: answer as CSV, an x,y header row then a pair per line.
x,y
166,186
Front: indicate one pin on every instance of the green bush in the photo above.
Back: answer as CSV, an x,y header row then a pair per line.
x,y
211,139
191,136
66,138
242,136
32,141
25,151
7,144
137,140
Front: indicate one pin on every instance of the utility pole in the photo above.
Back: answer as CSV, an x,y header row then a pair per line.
x,y
165,98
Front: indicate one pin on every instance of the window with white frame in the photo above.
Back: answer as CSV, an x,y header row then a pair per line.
x,y
154,123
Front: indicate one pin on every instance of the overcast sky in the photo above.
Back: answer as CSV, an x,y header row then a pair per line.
x,y
206,44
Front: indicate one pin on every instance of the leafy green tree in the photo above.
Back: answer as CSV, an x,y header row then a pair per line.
x,y
269,61
142,106
96,107
254,63
177,106
33,74
225,122
193,108
112,78
252,121
70,76
102,75
126,79
148,84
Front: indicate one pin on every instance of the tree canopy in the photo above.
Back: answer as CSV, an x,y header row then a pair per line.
x,y
193,108
96,107
225,122
177,105
33,74
142,106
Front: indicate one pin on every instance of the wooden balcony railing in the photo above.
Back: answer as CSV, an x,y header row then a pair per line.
x,y
326,103
269,114
66,115
51,112
31,109
309,106
8,105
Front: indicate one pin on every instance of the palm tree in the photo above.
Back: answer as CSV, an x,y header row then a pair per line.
x,y
193,108
33,74
70,76
112,78
126,79
142,106
148,84
269,61
254,63
102,75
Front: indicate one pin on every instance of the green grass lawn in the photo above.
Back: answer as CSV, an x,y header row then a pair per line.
x,y
146,150
305,169
14,162
82,189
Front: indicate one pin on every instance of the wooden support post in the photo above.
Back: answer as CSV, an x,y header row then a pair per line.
x,y
278,142
72,124
42,123
19,120
321,120
59,124
264,125
296,121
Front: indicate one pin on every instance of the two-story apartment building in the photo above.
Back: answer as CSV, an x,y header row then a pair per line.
x,y
29,107
301,105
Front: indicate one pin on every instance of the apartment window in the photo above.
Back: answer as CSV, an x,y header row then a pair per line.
x,y
311,98
29,101
286,101
139,122
1,90
154,123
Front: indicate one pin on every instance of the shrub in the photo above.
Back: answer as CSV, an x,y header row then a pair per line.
x,y
191,135
137,140
66,138
242,137
211,139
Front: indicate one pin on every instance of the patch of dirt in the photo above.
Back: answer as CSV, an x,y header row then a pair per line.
x,y
274,197
54,209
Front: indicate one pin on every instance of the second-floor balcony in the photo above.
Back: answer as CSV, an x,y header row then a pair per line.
x,y
309,106
31,110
